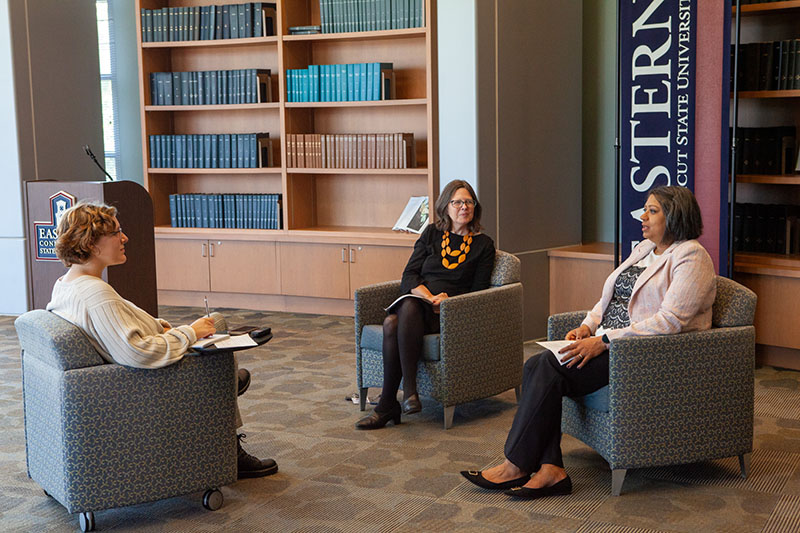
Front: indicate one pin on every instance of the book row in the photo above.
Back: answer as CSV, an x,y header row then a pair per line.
x,y
241,86
765,150
225,150
338,16
768,66
351,150
340,83
206,23
767,228
239,211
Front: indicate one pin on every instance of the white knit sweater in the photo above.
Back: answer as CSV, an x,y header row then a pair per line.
x,y
120,331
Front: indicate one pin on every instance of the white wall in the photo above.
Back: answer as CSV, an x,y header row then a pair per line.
x,y
458,154
13,285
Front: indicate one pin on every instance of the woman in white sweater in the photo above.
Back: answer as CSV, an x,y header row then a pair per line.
x,y
89,240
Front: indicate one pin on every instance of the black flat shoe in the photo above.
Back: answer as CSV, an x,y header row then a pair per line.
x,y
377,420
562,488
243,376
476,477
412,405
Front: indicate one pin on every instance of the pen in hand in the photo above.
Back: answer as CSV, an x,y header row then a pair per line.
x,y
205,299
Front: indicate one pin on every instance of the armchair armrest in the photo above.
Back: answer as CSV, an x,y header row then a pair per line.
x,y
481,342
560,324
370,302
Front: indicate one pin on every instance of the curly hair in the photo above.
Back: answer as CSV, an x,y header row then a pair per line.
x,y
80,228
443,221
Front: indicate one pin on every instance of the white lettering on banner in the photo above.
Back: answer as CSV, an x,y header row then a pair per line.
x,y
651,106
639,24
647,184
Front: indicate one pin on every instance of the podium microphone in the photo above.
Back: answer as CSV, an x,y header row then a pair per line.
x,y
96,162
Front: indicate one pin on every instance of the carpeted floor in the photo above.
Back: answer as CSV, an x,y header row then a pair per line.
x,y
333,478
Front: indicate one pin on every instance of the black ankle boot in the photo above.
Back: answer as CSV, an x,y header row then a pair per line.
x,y
250,466
377,420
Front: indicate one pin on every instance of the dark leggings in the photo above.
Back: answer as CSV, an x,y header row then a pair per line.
x,y
402,346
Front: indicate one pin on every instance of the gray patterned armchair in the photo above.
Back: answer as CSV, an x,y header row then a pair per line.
x,y
672,399
100,436
478,352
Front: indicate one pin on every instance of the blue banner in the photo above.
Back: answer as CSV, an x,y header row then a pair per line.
x,y
657,102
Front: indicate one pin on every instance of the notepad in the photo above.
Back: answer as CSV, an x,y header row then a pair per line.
x,y
237,341
555,346
211,339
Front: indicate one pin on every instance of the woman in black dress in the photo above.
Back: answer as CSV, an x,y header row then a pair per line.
x,y
450,258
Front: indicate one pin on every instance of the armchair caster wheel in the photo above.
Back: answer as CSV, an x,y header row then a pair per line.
x,y
212,499
87,521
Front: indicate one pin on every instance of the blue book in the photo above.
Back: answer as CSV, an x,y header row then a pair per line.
x,y
173,210
314,80
226,150
214,151
206,151
357,82
239,138
362,67
217,22
214,84
258,28
233,10
151,141
246,19
350,82
342,81
226,22
189,151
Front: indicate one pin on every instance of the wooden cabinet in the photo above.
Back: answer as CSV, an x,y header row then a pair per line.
x,y
336,271
771,275
320,207
217,266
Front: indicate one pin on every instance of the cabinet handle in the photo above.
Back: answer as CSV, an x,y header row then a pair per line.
x,y
344,255
352,255
204,249
211,249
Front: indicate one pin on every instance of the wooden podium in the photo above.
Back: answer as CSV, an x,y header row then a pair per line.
x,y
45,200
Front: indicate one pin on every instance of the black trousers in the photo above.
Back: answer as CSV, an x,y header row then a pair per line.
x,y
535,436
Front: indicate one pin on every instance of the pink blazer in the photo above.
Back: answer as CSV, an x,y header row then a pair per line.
x,y
673,295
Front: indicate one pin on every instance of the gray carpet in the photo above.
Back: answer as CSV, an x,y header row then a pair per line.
x,y
405,478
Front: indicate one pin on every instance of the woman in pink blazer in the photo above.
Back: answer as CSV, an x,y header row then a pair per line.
x,y
666,286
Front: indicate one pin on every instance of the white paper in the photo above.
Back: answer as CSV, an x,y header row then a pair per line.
x,y
211,339
403,297
555,346
237,341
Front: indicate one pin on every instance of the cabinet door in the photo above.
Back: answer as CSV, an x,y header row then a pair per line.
x,y
319,270
373,264
182,265
244,266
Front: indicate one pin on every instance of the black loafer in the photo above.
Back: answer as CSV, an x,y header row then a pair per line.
x,y
243,377
562,488
412,405
476,477
377,420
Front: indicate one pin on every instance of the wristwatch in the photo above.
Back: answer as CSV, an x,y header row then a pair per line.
x,y
605,339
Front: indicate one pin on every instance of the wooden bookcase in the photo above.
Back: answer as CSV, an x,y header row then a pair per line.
x,y
336,223
775,278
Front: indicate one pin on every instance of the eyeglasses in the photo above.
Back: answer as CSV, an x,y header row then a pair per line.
x,y
459,203
115,232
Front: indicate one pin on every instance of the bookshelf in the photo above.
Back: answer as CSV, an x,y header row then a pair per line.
x,y
771,275
335,232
